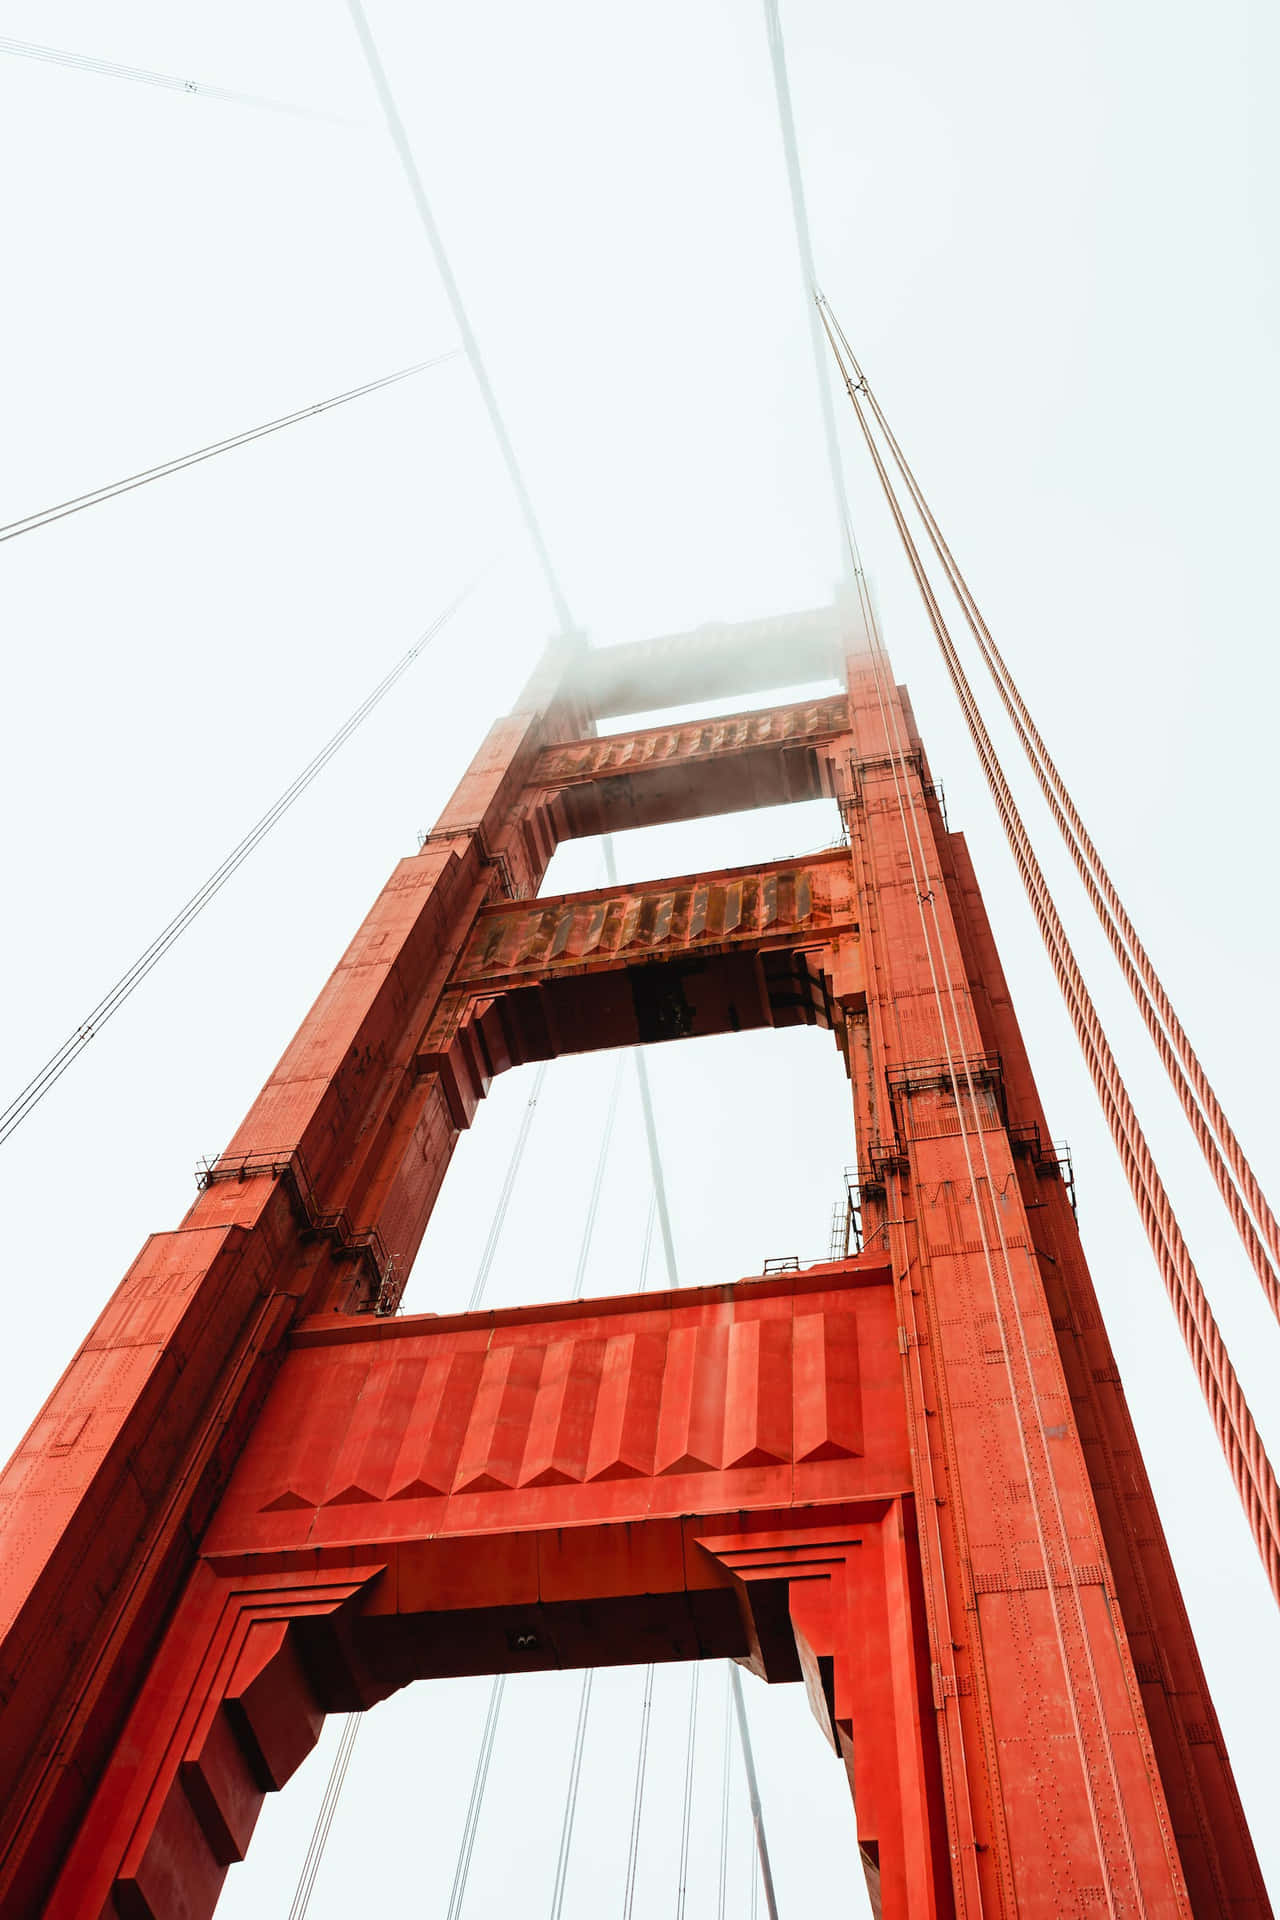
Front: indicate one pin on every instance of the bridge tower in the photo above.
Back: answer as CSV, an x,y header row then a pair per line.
x,y
907,1478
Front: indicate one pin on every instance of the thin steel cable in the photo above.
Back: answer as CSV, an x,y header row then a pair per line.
x,y
726,1756
571,1796
508,1186
324,1818
114,488
637,1795
584,1701
1227,1161
647,1113
40,1084
960,684
475,1804
404,151
647,1248
597,1184
686,1816
171,82
808,271
1252,1470
765,1876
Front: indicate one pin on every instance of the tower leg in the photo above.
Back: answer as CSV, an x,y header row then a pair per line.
x,y
858,1639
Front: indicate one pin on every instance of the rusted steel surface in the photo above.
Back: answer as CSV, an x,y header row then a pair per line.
x,y
809,721
787,901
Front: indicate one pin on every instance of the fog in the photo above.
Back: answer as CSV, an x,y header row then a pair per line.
x,y
1051,236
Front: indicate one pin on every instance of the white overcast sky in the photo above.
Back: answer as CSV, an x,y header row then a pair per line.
x,y
1051,235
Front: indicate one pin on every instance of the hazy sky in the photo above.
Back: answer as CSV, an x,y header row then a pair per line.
x,y
1050,233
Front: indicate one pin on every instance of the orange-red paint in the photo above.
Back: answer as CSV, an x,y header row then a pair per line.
x,y
907,1480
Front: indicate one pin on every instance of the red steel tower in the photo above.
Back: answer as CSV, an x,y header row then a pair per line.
x,y
907,1478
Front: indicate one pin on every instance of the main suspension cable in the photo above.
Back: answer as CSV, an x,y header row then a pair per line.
x,y
1233,1420
114,488
471,346
808,271
1067,1613
24,1102
1224,1155
171,82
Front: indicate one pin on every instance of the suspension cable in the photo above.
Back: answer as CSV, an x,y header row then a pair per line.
x,y
597,1184
637,1795
114,488
725,1759
39,1085
1008,1312
808,271
646,1703
173,83
647,1113
686,1817
571,1795
584,1699
753,1795
647,1247
324,1819
508,1185
471,346
1250,1466
1172,1043
942,1634
475,1804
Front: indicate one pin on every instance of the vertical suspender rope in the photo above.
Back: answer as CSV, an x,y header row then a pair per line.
x,y
324,1819
475,1805
1195,1094
646,1109
686,1816
584,1698
1012,1331
504,1198
571,1796
647,1248
1241,1443
637,1795
725,1758
801,223
753,1794
597,1184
